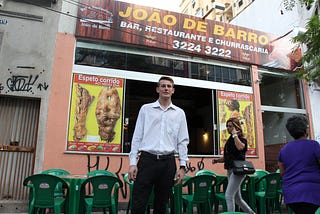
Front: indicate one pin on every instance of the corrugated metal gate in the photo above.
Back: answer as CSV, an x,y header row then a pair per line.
x,y
19,118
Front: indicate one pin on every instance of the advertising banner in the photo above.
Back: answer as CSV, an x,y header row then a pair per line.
x,y
95,117
145,26
236,105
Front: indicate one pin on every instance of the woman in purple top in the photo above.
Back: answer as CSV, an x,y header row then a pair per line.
x,y
299,163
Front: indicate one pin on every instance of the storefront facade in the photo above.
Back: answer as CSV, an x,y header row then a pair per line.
x,y
120,50
130,52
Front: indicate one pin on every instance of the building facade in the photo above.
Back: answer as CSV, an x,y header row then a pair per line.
x,y
101,50
27,45
218,10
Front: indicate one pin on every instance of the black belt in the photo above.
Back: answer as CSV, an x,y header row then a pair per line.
x,y
157,157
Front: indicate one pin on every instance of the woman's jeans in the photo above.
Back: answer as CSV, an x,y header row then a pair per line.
x,y
233,193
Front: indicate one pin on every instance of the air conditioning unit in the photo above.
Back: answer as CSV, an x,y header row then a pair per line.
x,y
218,6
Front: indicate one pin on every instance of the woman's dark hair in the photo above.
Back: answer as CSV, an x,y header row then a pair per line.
x,y
236,123
297,126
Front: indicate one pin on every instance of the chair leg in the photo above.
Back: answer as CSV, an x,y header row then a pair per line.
x,y
113,209
190,208
31,209
57,210
209,207
129,206
216,206
88,209
262,205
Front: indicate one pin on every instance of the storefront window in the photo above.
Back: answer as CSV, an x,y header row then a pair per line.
x,y
280,90
281,97
150,63
275,136
274,127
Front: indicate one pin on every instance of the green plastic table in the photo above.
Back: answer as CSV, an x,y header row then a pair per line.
x,y
74,181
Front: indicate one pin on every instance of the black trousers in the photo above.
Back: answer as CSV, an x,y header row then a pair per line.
x,y
153,173
303,208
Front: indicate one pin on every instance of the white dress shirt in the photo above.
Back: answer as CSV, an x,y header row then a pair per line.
x,y
160,131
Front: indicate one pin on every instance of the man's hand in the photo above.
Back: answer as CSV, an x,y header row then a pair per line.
x,y
214,161
132,173
179,177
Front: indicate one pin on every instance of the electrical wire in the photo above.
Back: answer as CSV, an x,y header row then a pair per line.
x,y
75,3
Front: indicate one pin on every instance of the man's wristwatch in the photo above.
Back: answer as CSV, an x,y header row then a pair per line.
x,y
183,167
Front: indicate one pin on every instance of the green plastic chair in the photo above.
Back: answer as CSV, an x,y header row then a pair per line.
x,y
106,172
221,197
232,213
279,202
205,172
245,188
200,194
212,190
103,188
267,197
259,174
57,172
100,172
280,197
43,188
131,183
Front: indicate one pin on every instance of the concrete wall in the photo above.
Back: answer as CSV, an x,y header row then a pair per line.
x,y
27,47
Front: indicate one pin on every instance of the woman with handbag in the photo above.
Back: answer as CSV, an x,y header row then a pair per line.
x,y
234,149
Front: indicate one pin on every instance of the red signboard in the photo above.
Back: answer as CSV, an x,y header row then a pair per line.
x,y
145,26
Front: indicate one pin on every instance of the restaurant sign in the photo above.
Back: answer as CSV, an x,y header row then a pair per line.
x,y
145,26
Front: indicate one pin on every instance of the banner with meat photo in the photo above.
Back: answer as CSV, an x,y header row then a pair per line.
x,y
236,105
95,117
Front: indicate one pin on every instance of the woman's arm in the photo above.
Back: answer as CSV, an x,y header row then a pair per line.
x,y
217,160
281,167
239,144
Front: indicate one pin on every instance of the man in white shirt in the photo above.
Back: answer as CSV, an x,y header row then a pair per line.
x,y
161,131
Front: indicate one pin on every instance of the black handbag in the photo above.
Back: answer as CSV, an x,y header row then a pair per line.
x,y
241,167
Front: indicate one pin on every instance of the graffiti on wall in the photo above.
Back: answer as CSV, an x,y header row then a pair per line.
x,y
24,83
93,163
